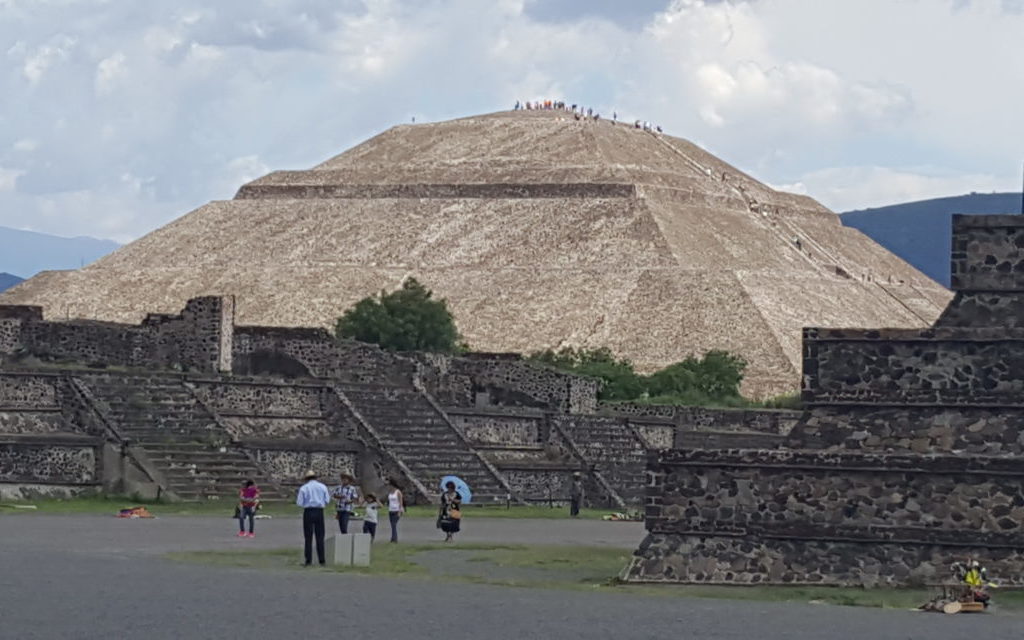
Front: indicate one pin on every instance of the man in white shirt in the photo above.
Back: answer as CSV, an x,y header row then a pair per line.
x,y
313,497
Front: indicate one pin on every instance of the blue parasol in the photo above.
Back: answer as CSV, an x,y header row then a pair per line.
x,y
461,487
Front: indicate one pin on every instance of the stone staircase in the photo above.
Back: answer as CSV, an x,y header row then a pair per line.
x,y
614,450
418,434
180,438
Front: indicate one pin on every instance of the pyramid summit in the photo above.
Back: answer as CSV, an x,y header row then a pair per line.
x,y
540,229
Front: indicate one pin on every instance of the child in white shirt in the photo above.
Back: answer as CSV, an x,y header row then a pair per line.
x,y
370,518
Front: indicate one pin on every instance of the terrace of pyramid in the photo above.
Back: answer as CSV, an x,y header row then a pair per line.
x,y
541,231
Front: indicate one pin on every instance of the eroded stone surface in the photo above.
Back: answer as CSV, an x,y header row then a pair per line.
x,y
540,230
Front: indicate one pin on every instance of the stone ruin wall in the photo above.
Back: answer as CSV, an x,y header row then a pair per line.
x,y
44,450
789,517
191,341
304,352
987,268
506,380
705,419
907,458
289,427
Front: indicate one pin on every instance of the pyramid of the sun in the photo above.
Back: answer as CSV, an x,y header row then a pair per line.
x,y
541,231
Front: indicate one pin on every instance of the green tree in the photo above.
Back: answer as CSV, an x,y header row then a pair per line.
x,y
407,319
711,380
716,377
621,382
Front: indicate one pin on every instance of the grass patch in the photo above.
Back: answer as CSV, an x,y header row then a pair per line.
x,y
537,512
388,559
562,567
109,505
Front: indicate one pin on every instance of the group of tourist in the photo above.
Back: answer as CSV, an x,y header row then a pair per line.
x,y
557,105
579,112
314,497
346,498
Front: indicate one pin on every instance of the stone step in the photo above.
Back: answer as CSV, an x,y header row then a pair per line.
x,y
158,433
183,447
421,439
207,452
142,415
728,440
241,472
186,425
463,456
128,394
399,414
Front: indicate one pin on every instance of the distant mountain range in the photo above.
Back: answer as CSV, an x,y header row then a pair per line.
x,y
7,281
26,253
919,232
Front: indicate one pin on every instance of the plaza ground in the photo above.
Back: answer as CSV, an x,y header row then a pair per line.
x,y
95,576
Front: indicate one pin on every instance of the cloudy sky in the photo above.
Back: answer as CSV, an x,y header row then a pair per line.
x,y
117,116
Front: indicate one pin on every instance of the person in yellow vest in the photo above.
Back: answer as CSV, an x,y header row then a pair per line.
x,y
972,574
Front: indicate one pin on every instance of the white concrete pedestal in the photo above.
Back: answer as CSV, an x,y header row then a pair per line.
x,y
348,549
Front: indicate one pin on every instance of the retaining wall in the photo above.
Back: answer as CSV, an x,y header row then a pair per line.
x,y
791,516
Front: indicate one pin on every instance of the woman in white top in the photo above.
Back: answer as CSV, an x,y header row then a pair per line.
x,y
396,507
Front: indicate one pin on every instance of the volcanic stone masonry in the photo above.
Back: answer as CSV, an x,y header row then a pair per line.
x,y
906,458
187,406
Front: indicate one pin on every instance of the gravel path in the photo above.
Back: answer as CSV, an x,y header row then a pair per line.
x,y
97,577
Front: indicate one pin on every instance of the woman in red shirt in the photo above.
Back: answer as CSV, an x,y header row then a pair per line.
x,y
249,498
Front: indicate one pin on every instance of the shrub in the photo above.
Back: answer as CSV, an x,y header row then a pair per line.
x,y
711,380
407,319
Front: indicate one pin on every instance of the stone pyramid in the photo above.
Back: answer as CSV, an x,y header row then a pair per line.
x,y
540,229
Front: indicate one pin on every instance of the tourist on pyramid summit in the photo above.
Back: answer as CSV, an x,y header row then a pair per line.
x,y
248,502
313,497
345,497
449,519
396,507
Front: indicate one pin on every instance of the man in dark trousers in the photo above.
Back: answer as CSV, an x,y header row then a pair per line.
x,y
313,497
575,494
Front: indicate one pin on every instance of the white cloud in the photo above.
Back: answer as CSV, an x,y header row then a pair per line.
x,y
8,178
109,72
38,63
118,119
846,188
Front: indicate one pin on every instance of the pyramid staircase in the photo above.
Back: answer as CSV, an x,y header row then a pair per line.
x,y
177,435
422,438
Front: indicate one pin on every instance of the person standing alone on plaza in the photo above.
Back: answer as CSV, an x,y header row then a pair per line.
x,y
248,501
313,497
345,497
449,519
396,507
575,494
